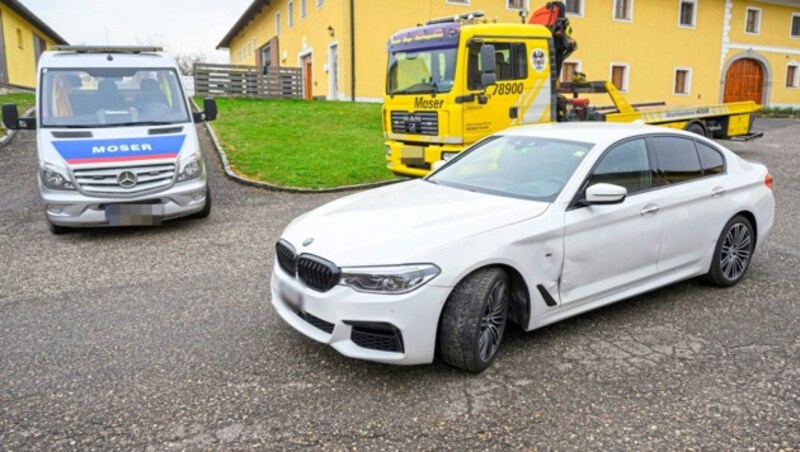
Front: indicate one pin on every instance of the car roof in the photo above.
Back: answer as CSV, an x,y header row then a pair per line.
x,y
590,132
61,59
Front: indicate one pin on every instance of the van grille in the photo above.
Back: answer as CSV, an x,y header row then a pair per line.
x,y
416,123
107,180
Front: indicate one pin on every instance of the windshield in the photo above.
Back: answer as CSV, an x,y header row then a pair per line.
x,y
108,97
425,71
516,166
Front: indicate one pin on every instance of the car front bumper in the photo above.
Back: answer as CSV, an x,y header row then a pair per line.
x,y
74,209
414,316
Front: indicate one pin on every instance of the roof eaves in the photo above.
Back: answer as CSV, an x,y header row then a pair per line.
x,y
31,18
252,11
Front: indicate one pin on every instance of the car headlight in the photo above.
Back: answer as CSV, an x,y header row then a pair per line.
x,y
56,178
191,169
388,280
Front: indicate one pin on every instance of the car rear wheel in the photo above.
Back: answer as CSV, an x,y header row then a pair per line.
x,y
733,253
474,319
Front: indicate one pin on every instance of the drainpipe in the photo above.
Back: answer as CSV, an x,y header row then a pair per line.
x,y
353,50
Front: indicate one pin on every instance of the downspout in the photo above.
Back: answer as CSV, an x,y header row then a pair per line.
x,y
353,50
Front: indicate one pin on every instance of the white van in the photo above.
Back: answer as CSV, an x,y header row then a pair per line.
x,y
116,139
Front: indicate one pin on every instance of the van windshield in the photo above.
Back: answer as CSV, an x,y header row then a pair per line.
x,y
108,97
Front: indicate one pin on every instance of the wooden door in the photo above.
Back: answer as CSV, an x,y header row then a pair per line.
x,y
744,81
308,78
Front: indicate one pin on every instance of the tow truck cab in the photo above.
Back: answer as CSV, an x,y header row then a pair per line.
x,y
116,142
450,84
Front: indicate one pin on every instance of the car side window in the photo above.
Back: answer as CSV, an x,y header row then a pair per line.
x,y
625,165
677,159
711,159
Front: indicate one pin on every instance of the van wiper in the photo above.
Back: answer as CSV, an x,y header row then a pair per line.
x,y
140,123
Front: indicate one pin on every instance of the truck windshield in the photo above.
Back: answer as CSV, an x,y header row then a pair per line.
x,y
516,166
108,97
418,72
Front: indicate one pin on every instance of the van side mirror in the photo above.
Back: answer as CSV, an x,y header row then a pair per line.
x,y
605,194
12,121
488,76
209,112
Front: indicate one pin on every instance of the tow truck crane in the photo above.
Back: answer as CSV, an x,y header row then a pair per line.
x,y
453,81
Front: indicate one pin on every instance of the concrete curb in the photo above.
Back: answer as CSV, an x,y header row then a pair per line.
x,y
6,139
278,188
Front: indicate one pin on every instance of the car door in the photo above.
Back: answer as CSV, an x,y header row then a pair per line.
x,y
693,203
607,247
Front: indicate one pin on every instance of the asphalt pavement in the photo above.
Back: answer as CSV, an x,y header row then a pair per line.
x,y
164,338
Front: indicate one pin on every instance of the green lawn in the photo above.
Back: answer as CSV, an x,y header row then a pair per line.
x,y
24,101
295,143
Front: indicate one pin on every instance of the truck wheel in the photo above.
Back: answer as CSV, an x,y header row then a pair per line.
x,y
733,253
56,229
697,128
474,319
206,208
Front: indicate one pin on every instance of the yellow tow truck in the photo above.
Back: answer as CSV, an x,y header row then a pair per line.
x,y
456,80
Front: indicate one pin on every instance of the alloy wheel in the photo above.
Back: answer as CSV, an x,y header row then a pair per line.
x,y
493,322
736,251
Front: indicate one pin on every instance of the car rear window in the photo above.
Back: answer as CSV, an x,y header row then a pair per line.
x,y
677,159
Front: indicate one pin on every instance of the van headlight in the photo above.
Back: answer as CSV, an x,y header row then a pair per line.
x,y
191,168
388,280
56,178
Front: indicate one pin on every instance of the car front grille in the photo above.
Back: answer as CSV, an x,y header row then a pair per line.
x,y
316,272
377,336
286,257
106,181
416,123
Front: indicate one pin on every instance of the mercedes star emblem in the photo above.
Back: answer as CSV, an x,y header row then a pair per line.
x,y
308,241
127,179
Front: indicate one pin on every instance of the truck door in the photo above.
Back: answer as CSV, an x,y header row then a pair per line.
x,y
523,91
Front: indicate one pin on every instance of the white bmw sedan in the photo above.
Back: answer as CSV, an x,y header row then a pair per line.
x,y
531,226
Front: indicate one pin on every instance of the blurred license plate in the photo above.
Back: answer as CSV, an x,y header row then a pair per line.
x,y
134,214
291,296
412,153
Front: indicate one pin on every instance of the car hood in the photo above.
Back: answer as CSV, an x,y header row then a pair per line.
x,y
402,222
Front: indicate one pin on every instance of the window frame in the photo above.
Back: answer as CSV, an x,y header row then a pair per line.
x,y
791,26
693,25
658,169
614,8
290,13
526,6
758,22
20,39
796,82
578,63
687,85
581,9
320,3
626,79
511,52
458,2
303,9
277,23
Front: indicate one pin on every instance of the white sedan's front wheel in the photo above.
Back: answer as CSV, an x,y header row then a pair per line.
x,y
733,253
474,319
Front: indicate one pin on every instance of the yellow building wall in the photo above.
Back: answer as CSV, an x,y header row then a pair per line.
x,y
652,44
308,36
773,43
20,62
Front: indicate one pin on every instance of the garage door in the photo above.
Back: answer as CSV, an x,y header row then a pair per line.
x,y
744,81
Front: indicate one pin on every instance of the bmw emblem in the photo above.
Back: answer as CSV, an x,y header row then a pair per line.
x,y
308,241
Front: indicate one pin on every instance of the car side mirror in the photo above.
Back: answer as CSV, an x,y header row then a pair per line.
x,y
209,112
488,76
605,194
12,121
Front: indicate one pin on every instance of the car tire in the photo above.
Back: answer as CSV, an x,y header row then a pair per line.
x,y
474,319
206,208
733,253
696,128
56,229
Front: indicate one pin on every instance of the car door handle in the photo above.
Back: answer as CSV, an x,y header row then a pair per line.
x,y
649,210
718,191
